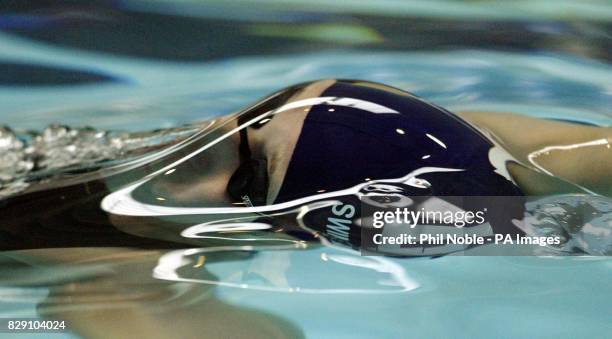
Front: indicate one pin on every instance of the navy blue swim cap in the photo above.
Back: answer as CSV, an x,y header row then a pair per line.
x,y
370,133
367,131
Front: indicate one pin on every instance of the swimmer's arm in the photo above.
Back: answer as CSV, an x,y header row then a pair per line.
x,y
577,153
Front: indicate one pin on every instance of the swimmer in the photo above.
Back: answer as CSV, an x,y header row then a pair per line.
x,y
310,145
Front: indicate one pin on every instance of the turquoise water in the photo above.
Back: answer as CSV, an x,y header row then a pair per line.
x,y
330,292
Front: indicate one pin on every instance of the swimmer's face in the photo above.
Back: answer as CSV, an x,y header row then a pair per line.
x,y
203,179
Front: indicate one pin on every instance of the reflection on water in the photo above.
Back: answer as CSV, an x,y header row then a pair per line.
x,y
261,282
338,270
92,287
111,291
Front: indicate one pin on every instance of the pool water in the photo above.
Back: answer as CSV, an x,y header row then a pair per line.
x,y
140,66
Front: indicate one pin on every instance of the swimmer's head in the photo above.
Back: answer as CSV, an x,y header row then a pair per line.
x,y
325,136
323,141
